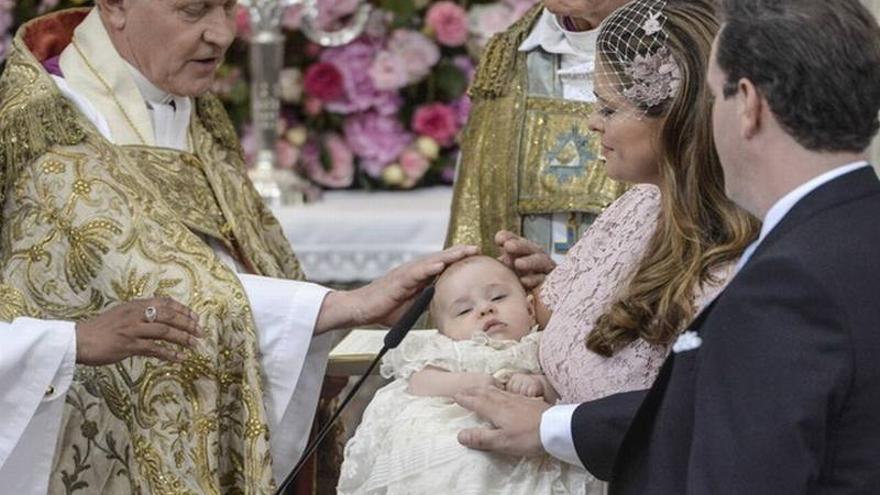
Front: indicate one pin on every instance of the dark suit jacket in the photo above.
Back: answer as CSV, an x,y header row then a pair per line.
x,y
783,395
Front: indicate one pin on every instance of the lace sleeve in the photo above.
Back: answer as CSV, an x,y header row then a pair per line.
x,y
625,213
419,351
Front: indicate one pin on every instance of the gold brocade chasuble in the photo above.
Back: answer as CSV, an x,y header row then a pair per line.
x,y
524,152
87,224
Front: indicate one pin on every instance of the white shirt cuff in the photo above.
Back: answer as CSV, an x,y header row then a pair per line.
x,y
556,433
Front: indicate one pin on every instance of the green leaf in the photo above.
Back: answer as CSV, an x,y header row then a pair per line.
x,y
450,82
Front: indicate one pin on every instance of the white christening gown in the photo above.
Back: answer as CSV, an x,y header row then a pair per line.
x,y
407,444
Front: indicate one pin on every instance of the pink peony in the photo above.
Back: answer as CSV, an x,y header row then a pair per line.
x,y
388,71
360,94
331,12
437,121
449,23
414,166
519,7
466,66
416,51
323,81
462,108
332,166
376,139
486,20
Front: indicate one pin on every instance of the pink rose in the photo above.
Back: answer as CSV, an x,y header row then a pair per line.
x,y
313,106
437,121
243,23
286,154
414,166
449,23
334,168
323,81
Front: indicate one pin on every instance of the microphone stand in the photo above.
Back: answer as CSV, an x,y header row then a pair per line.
x,y
392,339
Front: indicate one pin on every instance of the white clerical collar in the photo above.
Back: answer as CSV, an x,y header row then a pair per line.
x,y
169,114
150,91
782,206
549,34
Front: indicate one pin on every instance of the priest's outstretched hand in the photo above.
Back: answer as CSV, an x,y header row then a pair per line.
x,y
517,421
385,299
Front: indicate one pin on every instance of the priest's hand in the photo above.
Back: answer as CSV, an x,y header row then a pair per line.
x,y
385,299
527,259
137,328
517,422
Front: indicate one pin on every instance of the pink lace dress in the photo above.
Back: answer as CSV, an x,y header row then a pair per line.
x,y
584,285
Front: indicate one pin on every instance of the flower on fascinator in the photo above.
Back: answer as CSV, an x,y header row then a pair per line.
x,y
652,24
655,78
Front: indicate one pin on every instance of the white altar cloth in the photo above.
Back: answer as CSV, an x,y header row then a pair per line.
x,y
351,236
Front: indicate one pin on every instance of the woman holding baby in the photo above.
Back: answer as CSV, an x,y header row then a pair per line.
x,y
612,309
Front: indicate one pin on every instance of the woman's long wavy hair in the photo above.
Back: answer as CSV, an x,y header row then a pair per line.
x,y
699,229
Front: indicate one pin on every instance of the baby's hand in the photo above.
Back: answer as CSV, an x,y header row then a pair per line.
x,y
527,385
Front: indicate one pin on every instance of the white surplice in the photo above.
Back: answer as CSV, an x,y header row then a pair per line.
x,y
285,311
37,360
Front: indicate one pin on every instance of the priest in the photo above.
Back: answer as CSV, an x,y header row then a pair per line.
x,y
124,180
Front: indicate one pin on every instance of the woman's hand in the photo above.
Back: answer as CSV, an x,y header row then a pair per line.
x,y
527,259
137,328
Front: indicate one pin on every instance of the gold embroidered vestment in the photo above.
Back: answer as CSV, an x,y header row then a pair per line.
x,y
526,152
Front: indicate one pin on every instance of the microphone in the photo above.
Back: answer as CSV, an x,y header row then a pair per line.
x,y
392,339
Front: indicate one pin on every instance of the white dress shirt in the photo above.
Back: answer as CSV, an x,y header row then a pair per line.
x,y
555,426
577,55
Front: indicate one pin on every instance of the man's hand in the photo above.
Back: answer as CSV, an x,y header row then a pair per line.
x,y
385,299
123,331
517,422
526,258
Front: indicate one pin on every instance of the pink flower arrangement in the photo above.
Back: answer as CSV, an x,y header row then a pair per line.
x,y
448,21
437,121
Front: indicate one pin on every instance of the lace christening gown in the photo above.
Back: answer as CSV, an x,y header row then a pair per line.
x,y
408,444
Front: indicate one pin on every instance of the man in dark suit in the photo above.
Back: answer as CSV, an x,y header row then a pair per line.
x,y
775,387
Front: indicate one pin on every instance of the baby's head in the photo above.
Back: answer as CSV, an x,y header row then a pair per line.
x,y
481,294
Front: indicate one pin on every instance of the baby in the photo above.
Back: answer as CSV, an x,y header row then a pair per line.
x,y
407,442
